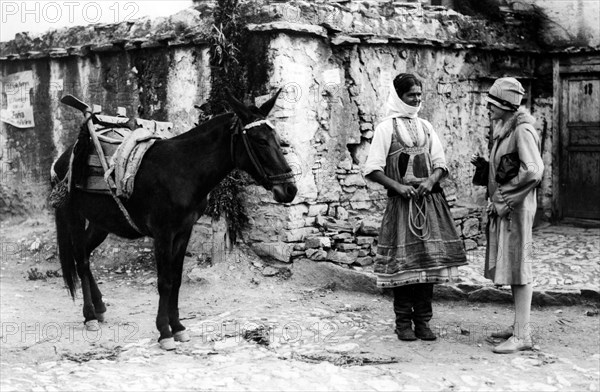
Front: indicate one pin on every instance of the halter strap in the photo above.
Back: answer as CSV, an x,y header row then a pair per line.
x,y
259,122
237,130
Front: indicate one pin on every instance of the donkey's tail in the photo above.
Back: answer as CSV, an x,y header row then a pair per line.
x,y
65,251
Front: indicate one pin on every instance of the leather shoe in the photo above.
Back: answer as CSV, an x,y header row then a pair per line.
x,y
503,334
512,345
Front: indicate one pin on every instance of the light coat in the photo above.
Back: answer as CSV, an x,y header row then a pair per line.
x,y
510,242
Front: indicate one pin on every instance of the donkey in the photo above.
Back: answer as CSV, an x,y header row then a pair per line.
x,y
169,195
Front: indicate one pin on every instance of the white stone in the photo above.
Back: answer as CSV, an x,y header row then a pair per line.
x,y
354,180
318,242
195,275
318,209
279,251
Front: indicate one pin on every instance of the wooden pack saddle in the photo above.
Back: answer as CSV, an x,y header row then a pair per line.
x,y
124,142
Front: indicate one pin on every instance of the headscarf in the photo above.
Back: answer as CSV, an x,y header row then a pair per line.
x,y
396,107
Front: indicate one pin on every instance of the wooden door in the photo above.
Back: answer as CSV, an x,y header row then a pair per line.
x,y
580,139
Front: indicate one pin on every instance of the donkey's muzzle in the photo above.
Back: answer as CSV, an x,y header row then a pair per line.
x,y
284,192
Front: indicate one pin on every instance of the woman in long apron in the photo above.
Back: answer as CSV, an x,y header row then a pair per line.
x,y
418,244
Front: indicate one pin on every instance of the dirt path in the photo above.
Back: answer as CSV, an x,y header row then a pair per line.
x,y
251,332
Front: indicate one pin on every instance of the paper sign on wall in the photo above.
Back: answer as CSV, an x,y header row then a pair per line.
x,y
16,89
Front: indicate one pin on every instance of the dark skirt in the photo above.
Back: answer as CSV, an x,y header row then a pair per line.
x,y
406,256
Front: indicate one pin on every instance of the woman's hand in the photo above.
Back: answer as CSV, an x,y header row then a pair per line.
x,y
478,161
425,187
401,189
406,191
491,209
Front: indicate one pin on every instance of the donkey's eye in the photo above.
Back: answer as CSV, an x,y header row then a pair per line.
x,y
263,142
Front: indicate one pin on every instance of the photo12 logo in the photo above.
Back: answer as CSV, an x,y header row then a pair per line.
x,y
288,333
52,332
68,12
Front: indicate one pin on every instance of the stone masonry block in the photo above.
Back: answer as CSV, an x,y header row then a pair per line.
x,y
346,247
459,212
369,227
490,294
316,254
470,244
360,240
318,209
318,242
363,261
339,257
470,227
300,234
279,251
447,292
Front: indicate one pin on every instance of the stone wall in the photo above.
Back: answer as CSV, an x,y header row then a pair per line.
x,y
335,90
335,62
147,83
152,76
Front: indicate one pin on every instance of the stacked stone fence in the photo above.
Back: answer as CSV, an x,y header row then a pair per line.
x,y
327,232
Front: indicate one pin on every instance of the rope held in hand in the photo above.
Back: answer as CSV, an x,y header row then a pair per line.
x,y
418,221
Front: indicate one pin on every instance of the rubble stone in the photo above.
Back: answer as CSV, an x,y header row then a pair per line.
x,y
369,227
318,242
279,251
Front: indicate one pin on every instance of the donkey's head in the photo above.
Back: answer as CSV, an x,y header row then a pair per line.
x,y
257,149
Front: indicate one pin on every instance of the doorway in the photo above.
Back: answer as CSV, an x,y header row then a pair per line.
x,y
580,146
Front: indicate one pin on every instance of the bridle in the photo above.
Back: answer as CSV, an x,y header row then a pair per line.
x,y
241,131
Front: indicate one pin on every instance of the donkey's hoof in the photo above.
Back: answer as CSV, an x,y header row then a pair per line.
x,y
92,325
181,336
100,317
167,344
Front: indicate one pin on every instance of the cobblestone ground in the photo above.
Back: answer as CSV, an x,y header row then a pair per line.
x,y
250,332
567,256
563,257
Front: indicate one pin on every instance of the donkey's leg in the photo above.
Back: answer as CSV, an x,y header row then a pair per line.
x,y
94,237
78,238
163,245
179,248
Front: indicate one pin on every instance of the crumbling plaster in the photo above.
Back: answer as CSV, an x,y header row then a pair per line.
x,y
161,85
335,62
330,107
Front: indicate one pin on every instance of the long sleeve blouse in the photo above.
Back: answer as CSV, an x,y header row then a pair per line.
x,y
382,140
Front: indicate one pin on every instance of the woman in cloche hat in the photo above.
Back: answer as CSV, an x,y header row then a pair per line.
x,y
514,170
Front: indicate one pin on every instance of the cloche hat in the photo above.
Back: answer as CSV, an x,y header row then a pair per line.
x,y
506,93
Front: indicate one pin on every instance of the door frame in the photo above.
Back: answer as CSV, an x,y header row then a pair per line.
x,y
565,67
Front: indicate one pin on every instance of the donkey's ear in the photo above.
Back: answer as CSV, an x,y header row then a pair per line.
x,y
239,108
266,107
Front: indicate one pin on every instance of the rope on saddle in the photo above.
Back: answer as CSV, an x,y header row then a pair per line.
x,y
122,208
418,221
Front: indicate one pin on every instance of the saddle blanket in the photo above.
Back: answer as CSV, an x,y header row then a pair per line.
x,y
124,150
